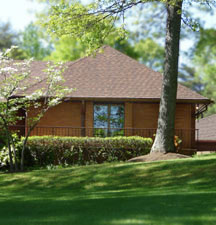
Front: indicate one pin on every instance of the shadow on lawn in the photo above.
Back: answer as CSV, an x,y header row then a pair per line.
x,y
174,192
174,209
182,175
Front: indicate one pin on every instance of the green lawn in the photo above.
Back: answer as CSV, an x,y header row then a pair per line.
x,y
166,193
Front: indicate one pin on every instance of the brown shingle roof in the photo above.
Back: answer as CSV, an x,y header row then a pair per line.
x,y
207,128
112,74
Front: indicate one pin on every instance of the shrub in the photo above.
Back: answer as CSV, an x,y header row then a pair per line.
x,y
48,150
4,152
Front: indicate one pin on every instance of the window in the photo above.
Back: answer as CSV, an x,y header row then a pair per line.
x,y
108,120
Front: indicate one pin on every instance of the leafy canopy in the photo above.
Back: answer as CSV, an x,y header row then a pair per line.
x,y
92,23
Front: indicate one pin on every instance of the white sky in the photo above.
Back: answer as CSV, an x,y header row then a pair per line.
x,y
19,12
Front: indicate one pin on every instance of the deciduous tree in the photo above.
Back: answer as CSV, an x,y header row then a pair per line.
x,y
32,43
8,36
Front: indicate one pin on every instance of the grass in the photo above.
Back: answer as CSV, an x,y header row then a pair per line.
x,y
161,193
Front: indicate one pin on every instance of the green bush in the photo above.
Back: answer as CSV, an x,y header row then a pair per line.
x,y
4,151
47,150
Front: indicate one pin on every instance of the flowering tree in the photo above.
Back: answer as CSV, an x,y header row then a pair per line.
x,y
16,94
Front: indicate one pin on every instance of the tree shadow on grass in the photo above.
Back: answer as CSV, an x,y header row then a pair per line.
x,y
187,175
184,209
173,192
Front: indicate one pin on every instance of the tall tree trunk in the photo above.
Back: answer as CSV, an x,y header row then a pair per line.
x,y
10,153
14,152
164,140
24,145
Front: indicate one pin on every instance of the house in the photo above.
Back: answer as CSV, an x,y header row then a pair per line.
x,y
115,95
207,133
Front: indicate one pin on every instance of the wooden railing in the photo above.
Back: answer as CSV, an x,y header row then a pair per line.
x,y
188,136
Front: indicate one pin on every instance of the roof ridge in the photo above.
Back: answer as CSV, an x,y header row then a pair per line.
x,y
132,59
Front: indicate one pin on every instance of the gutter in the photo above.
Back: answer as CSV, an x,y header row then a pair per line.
x,y
201,109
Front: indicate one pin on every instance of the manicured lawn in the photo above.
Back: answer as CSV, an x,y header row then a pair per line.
x,y
167,193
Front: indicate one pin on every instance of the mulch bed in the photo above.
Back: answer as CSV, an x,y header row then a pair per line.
x,y
157,157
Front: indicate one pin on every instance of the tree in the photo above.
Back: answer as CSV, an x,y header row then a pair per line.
x,y
67,49
150,53
188,77
205,63
91,23
14,96
146,51
32,43
8,37
164,140
141,44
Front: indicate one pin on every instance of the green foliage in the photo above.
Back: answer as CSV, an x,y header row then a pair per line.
x,y
3,139
48,150
92,23
31,43
205,64
77,21
67,49
4,151
200,75
13,83
150,53
8,37
189,78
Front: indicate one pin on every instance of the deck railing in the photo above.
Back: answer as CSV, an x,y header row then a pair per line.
x,y
186,135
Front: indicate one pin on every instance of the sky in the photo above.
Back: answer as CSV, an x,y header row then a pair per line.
x,y
19,12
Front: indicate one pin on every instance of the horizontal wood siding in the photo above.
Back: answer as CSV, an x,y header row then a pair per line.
x,y
64,114
137,115
184,121
145,115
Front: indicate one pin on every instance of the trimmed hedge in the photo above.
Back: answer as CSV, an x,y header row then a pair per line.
x,y
46,150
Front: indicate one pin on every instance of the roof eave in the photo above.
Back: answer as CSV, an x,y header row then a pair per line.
x,y
156,100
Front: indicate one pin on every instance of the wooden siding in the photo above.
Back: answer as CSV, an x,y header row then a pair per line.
x,y
137,115
64,114
145,115
128,117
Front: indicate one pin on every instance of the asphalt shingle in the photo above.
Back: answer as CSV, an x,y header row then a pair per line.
x,y
207,128
111,74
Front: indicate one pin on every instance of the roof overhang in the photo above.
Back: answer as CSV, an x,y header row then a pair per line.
x,y
129,99
153,100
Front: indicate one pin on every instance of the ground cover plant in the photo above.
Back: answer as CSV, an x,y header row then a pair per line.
x,y
164,192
